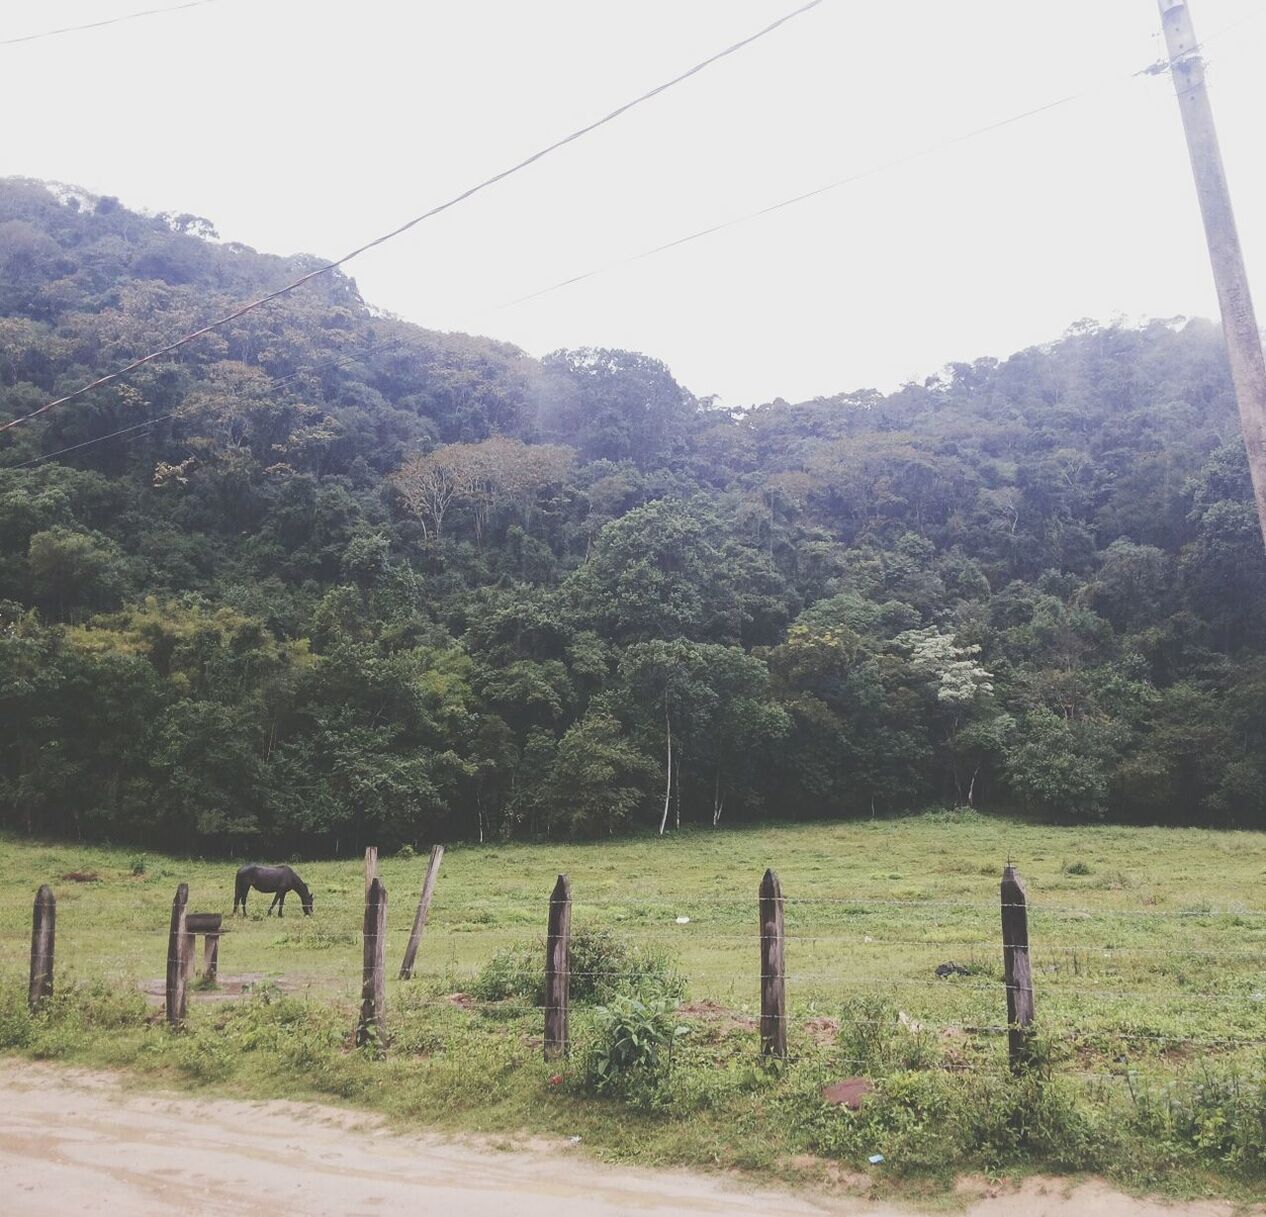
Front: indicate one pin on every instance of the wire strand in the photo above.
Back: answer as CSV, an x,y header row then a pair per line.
x,y
96,25
326,268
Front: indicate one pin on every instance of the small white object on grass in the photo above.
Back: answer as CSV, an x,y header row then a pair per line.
x,y
574,1140
683,920
875,1159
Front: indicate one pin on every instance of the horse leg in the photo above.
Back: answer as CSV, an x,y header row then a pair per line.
x,y
281,908
272,906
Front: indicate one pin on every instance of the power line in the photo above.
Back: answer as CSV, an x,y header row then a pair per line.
x,y
149,422
790,202
96,25
426,215
100,439
862,175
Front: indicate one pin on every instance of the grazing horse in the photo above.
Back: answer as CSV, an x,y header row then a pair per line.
x,y
279,879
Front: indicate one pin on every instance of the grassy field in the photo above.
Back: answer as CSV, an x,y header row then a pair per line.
x,y
1149,949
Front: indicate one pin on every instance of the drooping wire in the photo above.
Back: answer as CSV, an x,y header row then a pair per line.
x,y
327,267
862,175
96,25
340,362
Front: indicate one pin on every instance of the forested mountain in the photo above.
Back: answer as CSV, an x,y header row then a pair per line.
x,y
335,579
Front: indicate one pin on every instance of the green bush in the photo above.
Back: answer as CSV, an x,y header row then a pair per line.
x,y
633,1043
603,966
874,1040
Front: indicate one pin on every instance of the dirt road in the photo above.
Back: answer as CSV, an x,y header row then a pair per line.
x,y
73,1142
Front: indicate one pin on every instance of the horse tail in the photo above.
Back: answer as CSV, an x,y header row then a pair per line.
x,y
241,885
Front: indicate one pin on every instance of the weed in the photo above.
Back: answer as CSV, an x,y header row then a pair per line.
x,y
633,1043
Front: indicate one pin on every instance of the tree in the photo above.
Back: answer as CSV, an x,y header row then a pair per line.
x,y
599,777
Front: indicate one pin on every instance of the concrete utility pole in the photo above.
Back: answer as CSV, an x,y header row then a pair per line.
x,y
1239,323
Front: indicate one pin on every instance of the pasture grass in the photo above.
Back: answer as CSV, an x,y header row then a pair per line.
x,y
1149,950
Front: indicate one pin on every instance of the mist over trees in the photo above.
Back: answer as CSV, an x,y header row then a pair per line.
x,y
339,579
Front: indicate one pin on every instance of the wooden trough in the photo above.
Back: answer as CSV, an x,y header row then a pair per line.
x,y
210,926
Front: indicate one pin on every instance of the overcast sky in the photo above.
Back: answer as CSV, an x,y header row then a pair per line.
x,y
311,125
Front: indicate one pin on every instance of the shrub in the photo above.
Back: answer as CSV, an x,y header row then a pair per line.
x,y
633,1043
406,851
138,864
603,966
874,1039
1077,868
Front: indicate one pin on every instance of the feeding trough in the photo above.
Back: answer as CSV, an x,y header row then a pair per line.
x,y
210,926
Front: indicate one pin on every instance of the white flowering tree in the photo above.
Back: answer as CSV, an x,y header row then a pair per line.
x,y
963,693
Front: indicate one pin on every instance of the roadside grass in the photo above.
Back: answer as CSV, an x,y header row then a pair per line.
x,y
1149,948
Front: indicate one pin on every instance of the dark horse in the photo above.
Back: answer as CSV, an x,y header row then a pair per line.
x,y
279,879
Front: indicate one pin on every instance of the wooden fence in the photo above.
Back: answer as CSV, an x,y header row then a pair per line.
x,y
770,942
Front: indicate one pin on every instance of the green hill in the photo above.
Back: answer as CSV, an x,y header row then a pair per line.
x,y
328,578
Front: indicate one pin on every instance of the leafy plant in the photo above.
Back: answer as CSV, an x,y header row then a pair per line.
x,y
603,966
634,1038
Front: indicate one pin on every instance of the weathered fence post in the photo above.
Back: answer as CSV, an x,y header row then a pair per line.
x,y
773,977
211,958
424,905
188,953
557,969
372,1028
43,934
1017,970
176,958
371,866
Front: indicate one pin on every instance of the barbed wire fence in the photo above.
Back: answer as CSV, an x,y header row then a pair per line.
x,y
1084,991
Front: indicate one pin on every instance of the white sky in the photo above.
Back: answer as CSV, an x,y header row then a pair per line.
x,y
310,125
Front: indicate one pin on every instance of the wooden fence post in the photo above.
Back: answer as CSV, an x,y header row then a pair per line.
x,y
773,976
558,969
1017,970
424,905
211,958
372,1028
371,866
43,935
176,945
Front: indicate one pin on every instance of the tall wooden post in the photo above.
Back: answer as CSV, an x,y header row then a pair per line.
x,y
43,936
371,866
773,976
1017,970
1239,322
176,992
557,969
372,1027
419,918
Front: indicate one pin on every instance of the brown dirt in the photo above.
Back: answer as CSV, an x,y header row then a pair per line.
x,y
227,987
74,1141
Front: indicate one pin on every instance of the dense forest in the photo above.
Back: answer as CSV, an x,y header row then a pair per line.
x,y
328,578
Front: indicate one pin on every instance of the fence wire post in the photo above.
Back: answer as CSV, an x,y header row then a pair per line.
x,y
43,936
1017,970
773,977
176,947
424,905
557,969
372,1027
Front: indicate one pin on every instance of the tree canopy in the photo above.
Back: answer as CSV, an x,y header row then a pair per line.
x,y
329,578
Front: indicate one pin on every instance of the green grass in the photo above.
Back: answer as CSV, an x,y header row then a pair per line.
x,y
1148,948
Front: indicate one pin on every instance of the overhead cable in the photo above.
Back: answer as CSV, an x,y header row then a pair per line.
x,y
327,267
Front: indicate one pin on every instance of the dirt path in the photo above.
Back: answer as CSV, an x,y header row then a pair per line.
x,y
74,1142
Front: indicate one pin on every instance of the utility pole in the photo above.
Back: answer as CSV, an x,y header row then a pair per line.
x,y
1239,323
